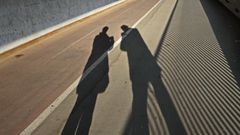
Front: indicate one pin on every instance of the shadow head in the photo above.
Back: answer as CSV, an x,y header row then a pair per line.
x,y
125,28
105,29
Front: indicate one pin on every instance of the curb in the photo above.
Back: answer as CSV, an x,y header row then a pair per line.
x,y
22,41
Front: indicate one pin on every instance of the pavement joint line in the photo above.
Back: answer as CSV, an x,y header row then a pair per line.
x,y
9,46
43,116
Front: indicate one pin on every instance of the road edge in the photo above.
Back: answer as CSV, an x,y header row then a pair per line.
x,y
18,43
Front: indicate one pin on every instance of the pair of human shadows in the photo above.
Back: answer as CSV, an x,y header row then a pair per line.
x,y
144,70
95,82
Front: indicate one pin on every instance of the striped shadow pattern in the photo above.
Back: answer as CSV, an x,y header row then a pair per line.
x,y
197,74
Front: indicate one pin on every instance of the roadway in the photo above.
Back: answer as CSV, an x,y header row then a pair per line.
x,y
183,81
34,75
179,78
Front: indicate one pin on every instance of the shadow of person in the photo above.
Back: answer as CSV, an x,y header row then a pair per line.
x,y
145,74
90,86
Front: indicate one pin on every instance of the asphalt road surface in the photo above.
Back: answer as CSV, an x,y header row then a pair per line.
x,y
33,76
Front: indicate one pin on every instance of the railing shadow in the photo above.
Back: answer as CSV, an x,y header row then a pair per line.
x,y
226,28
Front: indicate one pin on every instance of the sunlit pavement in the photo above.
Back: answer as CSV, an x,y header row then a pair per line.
x,y
182,81
180,77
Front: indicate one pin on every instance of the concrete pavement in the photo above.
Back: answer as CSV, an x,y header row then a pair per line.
x,y
185,81
181,81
